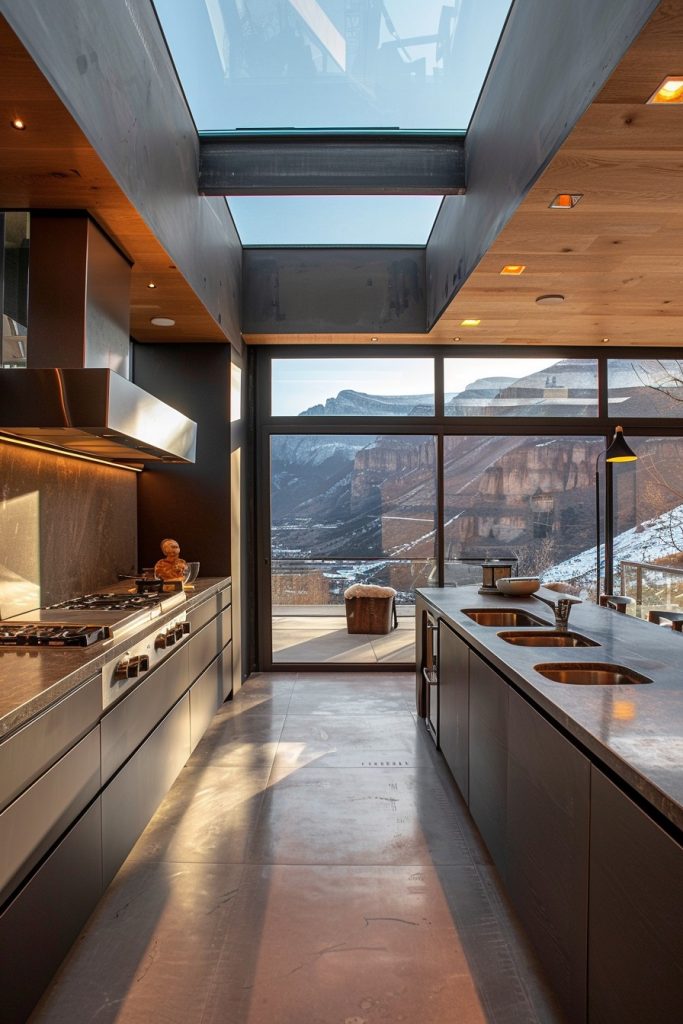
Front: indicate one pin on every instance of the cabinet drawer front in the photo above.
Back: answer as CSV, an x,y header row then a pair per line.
x,y
32,823
209,609
132,796
488,757
205,696
206,644
28,753
39,926
128,723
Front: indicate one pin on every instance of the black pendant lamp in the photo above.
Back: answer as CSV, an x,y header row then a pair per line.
x,y
618,451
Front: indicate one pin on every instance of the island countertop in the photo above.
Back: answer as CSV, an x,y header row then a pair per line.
x,y
33,680
634,730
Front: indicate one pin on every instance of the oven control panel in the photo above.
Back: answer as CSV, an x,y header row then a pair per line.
x,y
126,669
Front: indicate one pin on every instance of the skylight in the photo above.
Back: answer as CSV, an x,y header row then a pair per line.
x,y
332,64
334,220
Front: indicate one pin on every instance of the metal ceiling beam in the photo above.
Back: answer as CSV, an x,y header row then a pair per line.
x,y
331,164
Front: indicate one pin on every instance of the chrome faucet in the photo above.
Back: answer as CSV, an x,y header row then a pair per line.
x,y
561,608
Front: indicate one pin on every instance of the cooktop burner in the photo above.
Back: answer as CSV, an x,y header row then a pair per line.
x,y
37,634
111,602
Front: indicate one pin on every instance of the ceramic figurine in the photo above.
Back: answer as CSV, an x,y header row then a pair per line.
x,y
171,566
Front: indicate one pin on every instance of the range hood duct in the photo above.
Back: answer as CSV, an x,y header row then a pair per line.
x,y
75,393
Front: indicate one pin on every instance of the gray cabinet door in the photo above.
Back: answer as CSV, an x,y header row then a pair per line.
x,y
547,863
454,705
635,964
488,757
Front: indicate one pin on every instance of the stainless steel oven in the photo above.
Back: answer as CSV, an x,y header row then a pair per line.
x,y
430,673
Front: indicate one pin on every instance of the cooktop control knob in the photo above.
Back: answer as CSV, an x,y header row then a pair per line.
x,y
130,667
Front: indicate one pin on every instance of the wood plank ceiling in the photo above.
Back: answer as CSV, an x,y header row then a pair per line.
x,y
51,165
616,256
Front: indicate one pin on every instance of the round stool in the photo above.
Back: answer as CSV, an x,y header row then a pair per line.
x,y
675,618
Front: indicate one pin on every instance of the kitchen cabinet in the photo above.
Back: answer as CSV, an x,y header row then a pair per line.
x,y
454,705
488,751
41,922
207,693
548,807
635,965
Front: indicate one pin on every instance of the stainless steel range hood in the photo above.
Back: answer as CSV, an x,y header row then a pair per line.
x,y
96,412
75,393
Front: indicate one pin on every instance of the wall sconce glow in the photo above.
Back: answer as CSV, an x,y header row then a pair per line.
x,y
162,321
513,269
470,323
670,91
235,393
19,124
566,200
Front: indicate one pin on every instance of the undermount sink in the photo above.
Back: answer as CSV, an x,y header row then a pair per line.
x,y
594,674
503,617
548,638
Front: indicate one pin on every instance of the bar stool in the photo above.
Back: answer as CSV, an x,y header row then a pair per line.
x,y
657,616
615,601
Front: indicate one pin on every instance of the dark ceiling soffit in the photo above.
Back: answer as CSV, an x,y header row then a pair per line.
x,y
338,291
526,110
267,165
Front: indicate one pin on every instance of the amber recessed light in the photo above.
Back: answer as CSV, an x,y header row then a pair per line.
x,y
470,323
151,284
550,300
566,200
374,338
513,269
670,91
162,321
19,124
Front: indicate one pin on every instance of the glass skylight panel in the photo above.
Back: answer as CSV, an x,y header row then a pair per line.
x,y
334,220
335,64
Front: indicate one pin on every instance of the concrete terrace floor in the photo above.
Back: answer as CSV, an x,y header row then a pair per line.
x,y
319,637
312,864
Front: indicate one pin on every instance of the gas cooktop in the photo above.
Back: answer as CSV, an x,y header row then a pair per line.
x,y
111,602
38,634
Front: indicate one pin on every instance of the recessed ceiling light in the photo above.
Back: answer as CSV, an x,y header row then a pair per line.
x,y
670,91
374,339
19,124
605,340
162,321
550,300
565,200
456,339
151,284
470,323
513,269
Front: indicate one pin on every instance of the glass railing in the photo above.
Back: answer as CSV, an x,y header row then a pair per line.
x,y
316,585
652,586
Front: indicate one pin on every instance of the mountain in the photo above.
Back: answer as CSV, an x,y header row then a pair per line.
x,y
355,403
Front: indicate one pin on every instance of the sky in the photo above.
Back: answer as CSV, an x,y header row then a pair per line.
x,y
299,384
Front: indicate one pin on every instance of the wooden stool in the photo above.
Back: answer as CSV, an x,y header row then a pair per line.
x,y
620,604
675,618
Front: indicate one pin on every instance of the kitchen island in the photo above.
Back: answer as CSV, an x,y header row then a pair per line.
x,y
577,790
91,739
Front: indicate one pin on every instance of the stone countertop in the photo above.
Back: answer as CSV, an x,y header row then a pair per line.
x,y
635,730
31,681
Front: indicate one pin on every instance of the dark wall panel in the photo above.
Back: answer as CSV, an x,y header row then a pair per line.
x,y
190,503
334,290
553,58
67,527
109,64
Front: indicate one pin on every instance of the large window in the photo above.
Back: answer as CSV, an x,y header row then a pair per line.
x,y
645,388
527,498
351,509
352,387
521,387
444,460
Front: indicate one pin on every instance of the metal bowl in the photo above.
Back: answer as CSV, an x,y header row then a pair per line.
x,y
518,586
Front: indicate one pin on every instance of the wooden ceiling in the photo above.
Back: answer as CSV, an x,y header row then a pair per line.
x,y
617,256
51,165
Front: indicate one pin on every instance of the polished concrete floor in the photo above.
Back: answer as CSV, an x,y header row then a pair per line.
x,y
299,639
313,864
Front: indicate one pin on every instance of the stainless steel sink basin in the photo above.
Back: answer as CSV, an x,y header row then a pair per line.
x,y
503,617
548,638
590,674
